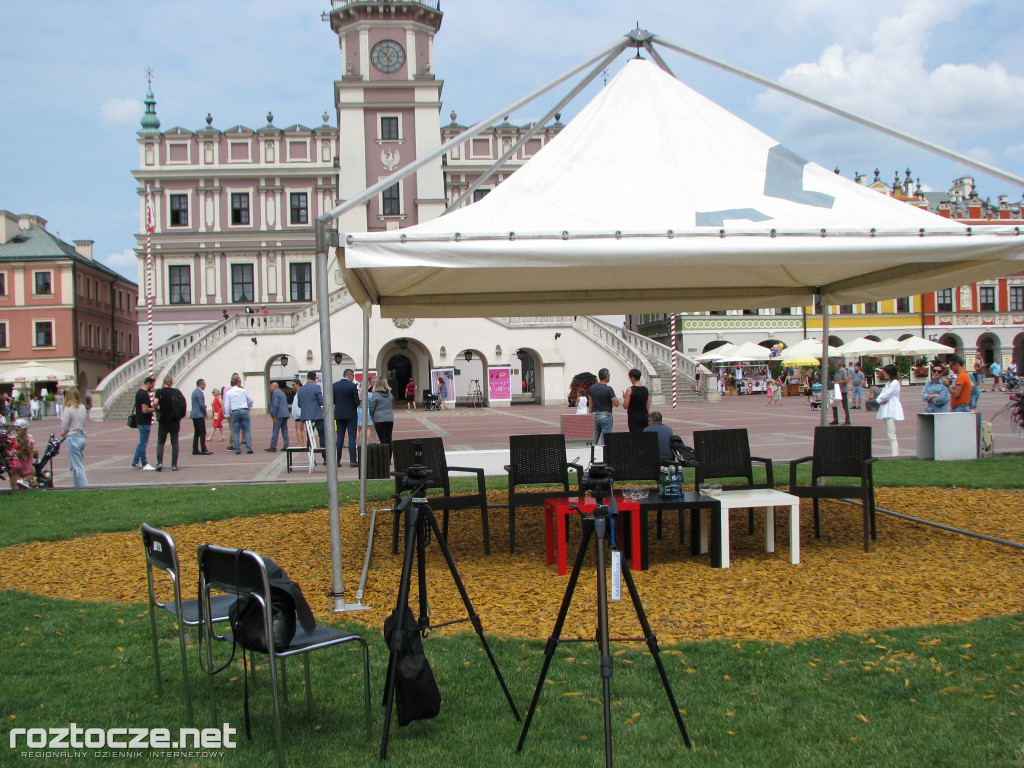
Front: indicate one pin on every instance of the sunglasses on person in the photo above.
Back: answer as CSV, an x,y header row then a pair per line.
x,y
938,370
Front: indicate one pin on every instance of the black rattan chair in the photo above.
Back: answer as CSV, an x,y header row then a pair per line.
x,y
840,452
241,572
636,457
434,459
162,555
536,460
725,453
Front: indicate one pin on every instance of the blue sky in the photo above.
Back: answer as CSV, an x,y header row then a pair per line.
x,y
950,71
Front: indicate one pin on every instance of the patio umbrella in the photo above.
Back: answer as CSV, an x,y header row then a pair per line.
x,y
809,347
889,346
862,346
717,353
917,345
32,372
802,360
747,351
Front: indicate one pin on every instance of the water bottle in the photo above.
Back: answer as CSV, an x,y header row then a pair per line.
x,y
663,483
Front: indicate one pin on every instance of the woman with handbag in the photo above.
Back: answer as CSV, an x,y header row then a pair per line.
x,y
890,409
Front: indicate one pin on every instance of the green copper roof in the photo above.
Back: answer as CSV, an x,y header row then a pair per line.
x,y
150,122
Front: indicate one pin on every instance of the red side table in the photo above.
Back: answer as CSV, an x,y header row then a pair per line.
x,y
556,509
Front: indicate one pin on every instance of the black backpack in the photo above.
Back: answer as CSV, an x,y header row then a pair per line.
x,y
684,454
416,693
180,406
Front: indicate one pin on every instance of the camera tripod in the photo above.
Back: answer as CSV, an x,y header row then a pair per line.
x,y
597,526
419,520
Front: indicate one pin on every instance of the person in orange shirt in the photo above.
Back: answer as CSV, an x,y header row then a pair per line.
x,y
960,386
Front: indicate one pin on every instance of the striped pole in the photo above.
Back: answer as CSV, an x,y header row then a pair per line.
x,y
150,226
675,380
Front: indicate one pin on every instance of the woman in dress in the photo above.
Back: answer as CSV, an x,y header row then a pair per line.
x,y
581,401
218,415
889,407
635,403
382,413
300,426
72,429
369,415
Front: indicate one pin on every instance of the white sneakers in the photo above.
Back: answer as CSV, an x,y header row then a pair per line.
x,y
149,468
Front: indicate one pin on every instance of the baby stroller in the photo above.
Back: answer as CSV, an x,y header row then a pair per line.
x,y
815,403
44,470
431,402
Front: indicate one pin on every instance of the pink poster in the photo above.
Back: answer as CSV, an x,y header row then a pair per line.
x,y
499,383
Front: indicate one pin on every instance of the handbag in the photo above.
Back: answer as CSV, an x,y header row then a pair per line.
x,y
246,619
132,422
417,696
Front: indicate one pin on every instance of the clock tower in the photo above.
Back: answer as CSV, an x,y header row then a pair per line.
x,y
388,103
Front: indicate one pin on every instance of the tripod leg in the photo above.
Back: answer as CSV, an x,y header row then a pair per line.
x,y
473,617
395,641
652,645
552,644
603,640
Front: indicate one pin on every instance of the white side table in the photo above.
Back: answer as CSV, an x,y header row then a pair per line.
x,y
759,497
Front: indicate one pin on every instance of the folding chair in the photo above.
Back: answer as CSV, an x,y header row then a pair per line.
x,y
162,555
239,572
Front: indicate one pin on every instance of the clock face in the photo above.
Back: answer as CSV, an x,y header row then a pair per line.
x,y
387,56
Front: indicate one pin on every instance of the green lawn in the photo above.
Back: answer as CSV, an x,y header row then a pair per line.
x,y
927,696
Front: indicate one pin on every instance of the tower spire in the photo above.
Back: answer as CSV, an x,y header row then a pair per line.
x,y
150,122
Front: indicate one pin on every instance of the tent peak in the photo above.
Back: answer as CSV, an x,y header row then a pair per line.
x,y
639,36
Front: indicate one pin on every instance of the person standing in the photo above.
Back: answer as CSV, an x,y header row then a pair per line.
x,y
218,415
346,407
410,396
890,410
382,411
581,401
960,386
857,387
33,408
311,404
144,422
934,392
279,413
72,429
198,416
602,401
58,400
841,380
635,400
170,410
238,403
996,370
300,426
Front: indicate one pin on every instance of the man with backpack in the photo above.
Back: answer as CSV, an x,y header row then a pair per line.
x,y
171,408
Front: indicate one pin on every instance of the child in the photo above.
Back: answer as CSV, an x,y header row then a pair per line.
x,y
769,390
19,457
581,401
778,393
218,415
410,396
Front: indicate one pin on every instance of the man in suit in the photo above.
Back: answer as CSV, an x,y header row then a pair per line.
x,y
279,413
311,404
198,416
346,406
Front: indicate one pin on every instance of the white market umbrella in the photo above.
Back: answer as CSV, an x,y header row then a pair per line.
x,y
863,346
808,347
32,372
718,353
889,346
747,352
917,345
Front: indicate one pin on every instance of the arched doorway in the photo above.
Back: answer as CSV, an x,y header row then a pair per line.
x,y
528,383
399,371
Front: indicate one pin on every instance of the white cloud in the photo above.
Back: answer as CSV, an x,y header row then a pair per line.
x,y
124,262
121,111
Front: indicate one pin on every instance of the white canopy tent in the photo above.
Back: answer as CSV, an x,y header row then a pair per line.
x,y
653,198
918,345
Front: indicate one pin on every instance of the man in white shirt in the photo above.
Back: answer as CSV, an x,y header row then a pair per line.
x,y
238,402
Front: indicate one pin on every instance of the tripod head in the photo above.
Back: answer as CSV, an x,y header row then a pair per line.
x,y
417,474
598,482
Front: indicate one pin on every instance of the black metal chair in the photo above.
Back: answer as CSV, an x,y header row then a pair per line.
x,y
636,457
843,452
536,460
434,459
725,453
162,555
240,572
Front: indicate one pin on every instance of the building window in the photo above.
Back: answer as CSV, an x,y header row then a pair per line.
x,y
903,304
871,308
846,309
817,304
300,208
987,298
302,281
480,194
44,334
944,300
391,201
43,285
389,129
239,207
749,311
179,277
1017,298
242,282
3,335
784,311
3,283
179,210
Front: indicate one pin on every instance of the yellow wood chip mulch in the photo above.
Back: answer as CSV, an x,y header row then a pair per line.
x,y
914,575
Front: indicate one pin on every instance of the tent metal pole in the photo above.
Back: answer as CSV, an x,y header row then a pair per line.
x,y
364,406
481,126
536,127
657,57
337,594
825,387
874,124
